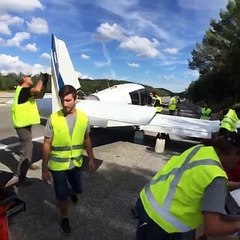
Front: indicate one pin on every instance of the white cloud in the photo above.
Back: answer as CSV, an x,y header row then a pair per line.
x,y
38,25
19,6
193,73
134,65
108,61
169,77
6,21
137,20
171,50
84,56
106,32
83,76
45,55
31,47
142,46
11,64
17,39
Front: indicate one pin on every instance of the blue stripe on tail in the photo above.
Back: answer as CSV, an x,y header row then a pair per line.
x,y
56,66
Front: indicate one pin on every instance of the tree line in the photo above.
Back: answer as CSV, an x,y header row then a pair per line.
x,y
9,82
217,59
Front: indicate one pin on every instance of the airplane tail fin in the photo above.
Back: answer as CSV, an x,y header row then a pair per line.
x,y
63,72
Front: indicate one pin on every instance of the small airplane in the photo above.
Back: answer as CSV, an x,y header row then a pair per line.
x,y
120,105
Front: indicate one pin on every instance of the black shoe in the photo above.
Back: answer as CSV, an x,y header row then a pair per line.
x,y
65,226
74,198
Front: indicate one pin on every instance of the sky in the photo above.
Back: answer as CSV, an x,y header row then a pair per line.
x,y
143,41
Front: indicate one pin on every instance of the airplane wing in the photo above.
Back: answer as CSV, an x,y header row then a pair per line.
x,y
118,105
182,126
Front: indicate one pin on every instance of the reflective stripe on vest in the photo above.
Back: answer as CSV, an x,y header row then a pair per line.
x,y
66,148
24,114
164,210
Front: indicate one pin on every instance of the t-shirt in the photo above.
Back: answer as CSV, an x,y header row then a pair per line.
x,y
215,196
24,95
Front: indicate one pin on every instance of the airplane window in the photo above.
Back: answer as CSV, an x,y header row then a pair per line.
x,y
143,96
135,97
139,97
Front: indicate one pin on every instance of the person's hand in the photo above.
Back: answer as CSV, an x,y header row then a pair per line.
x,y
91,164
44,77
46,176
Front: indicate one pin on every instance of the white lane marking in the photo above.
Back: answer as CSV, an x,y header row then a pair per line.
x,y
2,146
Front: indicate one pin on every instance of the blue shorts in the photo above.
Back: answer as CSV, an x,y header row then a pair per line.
x,y
62,179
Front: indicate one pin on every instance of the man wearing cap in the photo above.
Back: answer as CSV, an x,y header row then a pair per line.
x,y
24,114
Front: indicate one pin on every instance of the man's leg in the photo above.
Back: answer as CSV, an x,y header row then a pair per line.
x,y
75,180
26,147
61,193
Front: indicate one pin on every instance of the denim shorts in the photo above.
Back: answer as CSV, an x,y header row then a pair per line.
x,y
62,180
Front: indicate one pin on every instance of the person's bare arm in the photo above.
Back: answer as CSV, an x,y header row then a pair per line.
x,y
215,224
233,185
89,150
37,88
46,151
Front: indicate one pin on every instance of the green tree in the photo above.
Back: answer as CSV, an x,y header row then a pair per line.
x,y
217,58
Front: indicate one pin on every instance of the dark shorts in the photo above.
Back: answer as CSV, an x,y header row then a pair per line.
x,y
62,180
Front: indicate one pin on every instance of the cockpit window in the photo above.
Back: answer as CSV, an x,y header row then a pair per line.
x,y
139,97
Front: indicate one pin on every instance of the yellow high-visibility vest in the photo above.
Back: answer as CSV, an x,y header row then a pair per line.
x,y
230,121
158,108
24,114
173,197
205,113
173,104
67,150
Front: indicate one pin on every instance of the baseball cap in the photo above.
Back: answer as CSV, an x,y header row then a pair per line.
x,y
22,76
26,75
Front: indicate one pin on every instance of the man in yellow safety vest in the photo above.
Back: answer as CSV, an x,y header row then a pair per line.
x,y
24,113
205,112
157,103
66,136
172,106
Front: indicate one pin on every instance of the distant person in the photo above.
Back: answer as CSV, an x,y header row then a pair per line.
x,y
172,105
66,135
178,106
229,122
205,112
157,103
188,191
24,114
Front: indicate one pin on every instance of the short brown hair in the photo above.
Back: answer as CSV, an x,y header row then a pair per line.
x,y
67,89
